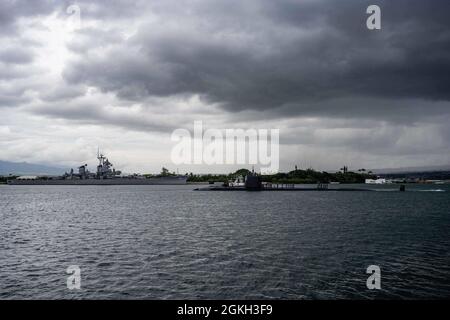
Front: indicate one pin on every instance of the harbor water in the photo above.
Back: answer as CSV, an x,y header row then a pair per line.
x,y
170,242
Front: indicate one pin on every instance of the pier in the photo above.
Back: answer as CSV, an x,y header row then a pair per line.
x,y
280,187
253,182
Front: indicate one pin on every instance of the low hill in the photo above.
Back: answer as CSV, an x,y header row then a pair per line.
x,y
24,168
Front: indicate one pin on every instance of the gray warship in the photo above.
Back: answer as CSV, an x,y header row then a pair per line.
x,y
105,175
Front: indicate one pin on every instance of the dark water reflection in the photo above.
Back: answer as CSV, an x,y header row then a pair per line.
x,y
162,242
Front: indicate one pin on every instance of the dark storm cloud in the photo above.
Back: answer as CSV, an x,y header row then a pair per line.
x,y
15,56
308,67
61,93
286,57
11,101
12,10
94,114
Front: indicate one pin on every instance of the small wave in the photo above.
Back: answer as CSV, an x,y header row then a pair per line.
x,y
104,264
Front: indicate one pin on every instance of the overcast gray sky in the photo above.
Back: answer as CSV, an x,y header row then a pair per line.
x,y
133,71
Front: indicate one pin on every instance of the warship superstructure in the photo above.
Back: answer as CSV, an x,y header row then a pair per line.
x,y
104,175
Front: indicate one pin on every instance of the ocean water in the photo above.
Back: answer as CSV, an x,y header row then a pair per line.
x,y
170,242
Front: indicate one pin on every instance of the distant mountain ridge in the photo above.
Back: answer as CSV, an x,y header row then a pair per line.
x,y
24,168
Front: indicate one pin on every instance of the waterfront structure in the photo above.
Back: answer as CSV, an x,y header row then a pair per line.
x,y
377,181
105,175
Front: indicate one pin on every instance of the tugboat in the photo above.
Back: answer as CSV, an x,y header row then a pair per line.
x,y
105,175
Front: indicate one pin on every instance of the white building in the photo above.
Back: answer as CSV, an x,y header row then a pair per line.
x,y
377,181
27,178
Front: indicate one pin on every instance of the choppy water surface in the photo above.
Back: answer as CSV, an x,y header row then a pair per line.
x,y
163,242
